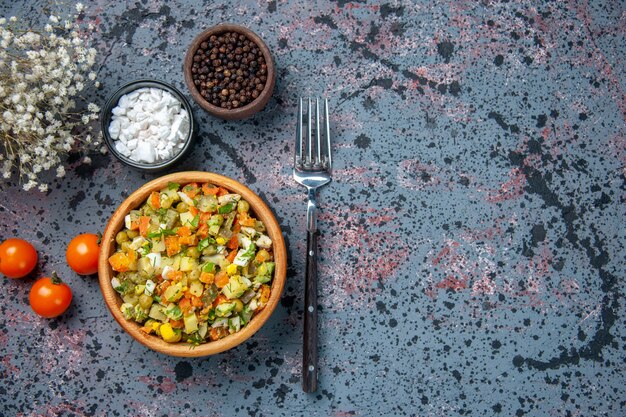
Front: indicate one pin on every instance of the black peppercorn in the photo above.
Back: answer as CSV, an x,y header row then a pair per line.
x,y
229,70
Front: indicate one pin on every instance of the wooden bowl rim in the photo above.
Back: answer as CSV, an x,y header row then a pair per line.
x,y
249,109
113,301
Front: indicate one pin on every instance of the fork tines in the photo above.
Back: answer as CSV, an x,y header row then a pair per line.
x,y
313,148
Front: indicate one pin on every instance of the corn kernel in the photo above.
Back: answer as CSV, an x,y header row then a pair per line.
x,y
168,333
231,269
156,325
220,240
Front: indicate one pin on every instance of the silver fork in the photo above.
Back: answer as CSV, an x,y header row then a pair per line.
x,y
312,168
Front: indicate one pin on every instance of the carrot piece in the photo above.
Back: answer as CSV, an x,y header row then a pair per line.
x,y
119,262
177,324
208,189
233,243
196,301
236,228
265,293
134,224
222,191
144,224
194,211
191,190
132,256
175,275
203,230
221,279
188,240
162,287
217,333
231,256
246,220
207,278
183,231
184,304
155,200
172,245
219,300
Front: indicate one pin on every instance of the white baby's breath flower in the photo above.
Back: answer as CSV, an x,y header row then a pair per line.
x,y
29,185
43,74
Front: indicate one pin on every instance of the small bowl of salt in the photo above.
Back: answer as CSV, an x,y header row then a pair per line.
x,y
148,125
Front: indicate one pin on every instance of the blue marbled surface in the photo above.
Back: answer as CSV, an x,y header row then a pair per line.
x,y
472,248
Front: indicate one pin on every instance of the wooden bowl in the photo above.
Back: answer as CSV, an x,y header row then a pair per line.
x,y
136,199
249,109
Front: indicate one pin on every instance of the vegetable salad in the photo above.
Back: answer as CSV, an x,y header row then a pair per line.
x,y
192,264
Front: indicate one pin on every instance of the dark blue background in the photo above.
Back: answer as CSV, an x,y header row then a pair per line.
x,y
473,236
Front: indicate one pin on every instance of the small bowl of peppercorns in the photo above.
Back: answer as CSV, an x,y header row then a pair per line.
x,y
230,72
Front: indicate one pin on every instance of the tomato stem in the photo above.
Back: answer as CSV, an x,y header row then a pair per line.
x,y
55,279
99,241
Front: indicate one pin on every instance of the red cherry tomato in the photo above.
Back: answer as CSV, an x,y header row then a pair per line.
x,y
17,258
50,297
82,254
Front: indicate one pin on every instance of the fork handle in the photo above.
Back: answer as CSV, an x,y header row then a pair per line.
x,y
309,356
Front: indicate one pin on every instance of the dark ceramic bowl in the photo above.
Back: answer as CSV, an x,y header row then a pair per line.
x,y
241,112
106,115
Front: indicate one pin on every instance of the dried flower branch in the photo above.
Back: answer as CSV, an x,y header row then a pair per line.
x,y
43,76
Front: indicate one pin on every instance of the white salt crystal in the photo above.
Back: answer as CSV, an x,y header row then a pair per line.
x,y
149,125
121,148
119,111
144,153
132,144
114,129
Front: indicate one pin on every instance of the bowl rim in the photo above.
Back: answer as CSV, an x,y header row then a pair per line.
x,y
113,301
249,109
106,115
